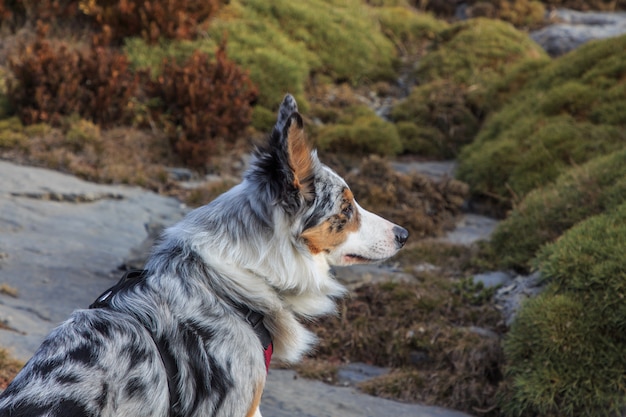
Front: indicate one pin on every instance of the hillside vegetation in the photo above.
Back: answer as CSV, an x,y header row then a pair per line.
x,y
121,91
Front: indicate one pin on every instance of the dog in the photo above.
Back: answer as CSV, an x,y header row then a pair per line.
x,y
223,290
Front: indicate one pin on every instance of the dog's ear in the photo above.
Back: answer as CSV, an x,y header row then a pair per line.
x,y
287,164
300,156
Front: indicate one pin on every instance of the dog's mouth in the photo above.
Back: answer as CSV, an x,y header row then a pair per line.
x,y
352,258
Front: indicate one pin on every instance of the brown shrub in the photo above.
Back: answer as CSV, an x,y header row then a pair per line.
x,y
203,103
422,205
53,80
174,19
17,12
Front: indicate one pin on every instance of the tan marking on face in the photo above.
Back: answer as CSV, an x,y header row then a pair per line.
x,y
300,160
256,400
335,230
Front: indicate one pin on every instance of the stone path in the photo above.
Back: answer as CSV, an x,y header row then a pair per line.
x,y
61,240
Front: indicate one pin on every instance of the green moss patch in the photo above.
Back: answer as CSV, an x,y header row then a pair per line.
x,y
408,29
565,350
359,131
546,213
567,113
475,51
456,76
441,117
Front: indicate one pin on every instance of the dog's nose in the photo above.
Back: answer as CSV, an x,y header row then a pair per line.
x,y
401,235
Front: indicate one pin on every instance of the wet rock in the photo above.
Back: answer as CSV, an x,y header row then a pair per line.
x,y
576,28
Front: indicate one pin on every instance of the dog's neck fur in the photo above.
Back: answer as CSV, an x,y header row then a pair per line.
x,y
275,274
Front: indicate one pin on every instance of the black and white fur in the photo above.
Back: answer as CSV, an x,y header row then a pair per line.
x,y
267,244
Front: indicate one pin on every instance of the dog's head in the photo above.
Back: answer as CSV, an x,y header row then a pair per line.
x,y
320,211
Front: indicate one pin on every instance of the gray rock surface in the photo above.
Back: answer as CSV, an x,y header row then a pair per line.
x,y
471,228
433,169
61,240
576,28
286,395
510,297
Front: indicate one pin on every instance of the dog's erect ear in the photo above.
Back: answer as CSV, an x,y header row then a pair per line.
x,y
299,155
287,164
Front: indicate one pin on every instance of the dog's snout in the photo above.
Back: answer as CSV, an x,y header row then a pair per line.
x,y
401,235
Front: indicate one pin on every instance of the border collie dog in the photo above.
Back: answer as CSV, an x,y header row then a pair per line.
x,y
192,333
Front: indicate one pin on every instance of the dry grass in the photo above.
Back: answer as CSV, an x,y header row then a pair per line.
x,y
8,290
118,155
9,367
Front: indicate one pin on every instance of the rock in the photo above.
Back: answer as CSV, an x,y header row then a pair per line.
x,y
357,275
433,169
180,174
471,228
60,252
138,255
576,28
509,298
355,373
493,279
286,395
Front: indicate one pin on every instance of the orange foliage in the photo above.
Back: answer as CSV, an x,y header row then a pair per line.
x,y
53,80
203,102
174,19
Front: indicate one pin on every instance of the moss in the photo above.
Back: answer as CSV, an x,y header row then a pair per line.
x,y
510,85
444,118
532,153
263,119
12,133
546,213
570,111
281,39
420,140
565,348
82,133
456,76
321,23
408,29
521,13
366,133
475,51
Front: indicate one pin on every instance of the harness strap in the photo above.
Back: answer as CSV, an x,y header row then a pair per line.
x,y
255,319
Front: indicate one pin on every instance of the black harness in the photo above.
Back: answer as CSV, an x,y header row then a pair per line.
x,y
134,277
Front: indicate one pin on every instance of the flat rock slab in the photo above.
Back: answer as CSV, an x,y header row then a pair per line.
x,y
317,399
61,239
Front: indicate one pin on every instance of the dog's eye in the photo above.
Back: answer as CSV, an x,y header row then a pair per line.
x,y
347,210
